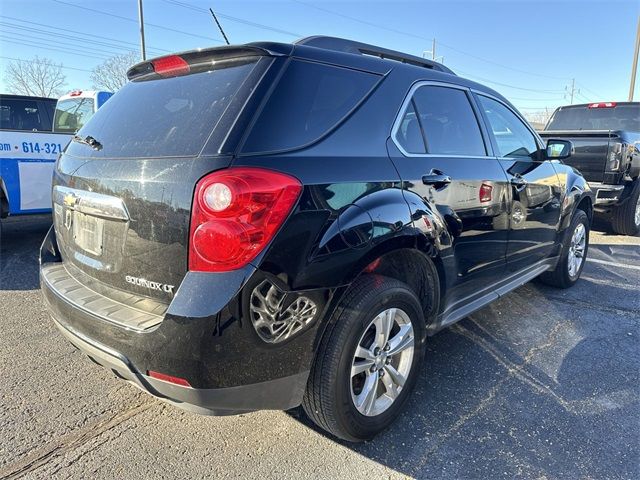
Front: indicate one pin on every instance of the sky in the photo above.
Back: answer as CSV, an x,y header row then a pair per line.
x,y
530,51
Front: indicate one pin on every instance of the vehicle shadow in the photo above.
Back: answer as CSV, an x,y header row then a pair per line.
x,y
20,239
500,397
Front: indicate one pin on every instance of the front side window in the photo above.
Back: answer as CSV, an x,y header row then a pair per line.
x,y
18,114
513,138
445,119
72,114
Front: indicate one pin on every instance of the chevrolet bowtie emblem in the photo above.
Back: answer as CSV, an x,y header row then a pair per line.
x,y
70,200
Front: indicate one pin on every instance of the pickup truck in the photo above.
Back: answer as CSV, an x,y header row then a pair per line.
x,y
606,138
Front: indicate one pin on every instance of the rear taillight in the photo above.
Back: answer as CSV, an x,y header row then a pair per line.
x,y
235,214
486,193
615,156
170,66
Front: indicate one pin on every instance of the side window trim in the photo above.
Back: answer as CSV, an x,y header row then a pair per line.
x,y
494,143
486,139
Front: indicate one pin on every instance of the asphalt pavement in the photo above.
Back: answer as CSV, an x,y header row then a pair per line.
x,y
543,383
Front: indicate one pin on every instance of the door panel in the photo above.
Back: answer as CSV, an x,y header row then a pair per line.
x,y
535,193
534,211
438,149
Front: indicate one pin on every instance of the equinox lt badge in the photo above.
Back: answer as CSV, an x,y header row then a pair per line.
x,y
141,282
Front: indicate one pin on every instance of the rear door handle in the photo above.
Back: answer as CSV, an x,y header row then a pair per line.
x,y
436,178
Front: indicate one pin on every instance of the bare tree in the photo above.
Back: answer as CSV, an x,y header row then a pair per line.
x,y
112,73
39,77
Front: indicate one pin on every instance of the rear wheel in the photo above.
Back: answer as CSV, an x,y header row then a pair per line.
x,y
368,360
573,255
625,219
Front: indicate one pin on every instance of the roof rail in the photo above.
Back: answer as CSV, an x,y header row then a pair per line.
x,y
351,46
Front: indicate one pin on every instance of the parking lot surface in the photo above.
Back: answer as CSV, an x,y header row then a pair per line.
x,y
543,383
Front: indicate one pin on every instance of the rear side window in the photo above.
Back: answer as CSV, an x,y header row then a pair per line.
x,y
309,100
513,138
164,117
72,114
17,114
446,121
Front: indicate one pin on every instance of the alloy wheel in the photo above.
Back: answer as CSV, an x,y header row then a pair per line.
x,y
382,362
577,250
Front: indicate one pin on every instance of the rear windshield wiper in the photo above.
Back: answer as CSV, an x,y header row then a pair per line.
x,y
88,140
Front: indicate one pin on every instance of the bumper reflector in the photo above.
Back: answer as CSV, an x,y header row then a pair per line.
x,y
168,378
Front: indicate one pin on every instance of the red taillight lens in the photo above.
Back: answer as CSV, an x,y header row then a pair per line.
x,y
170,66
235,214
486,192
169,378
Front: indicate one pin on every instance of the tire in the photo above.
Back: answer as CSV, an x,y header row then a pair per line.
x,y
563,276
625,219
330,399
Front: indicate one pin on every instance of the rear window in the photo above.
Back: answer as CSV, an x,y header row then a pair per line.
x,y
18,114
72,114
620,117
164,117
309,100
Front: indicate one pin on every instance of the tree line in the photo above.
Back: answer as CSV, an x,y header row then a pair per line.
x,y
43,77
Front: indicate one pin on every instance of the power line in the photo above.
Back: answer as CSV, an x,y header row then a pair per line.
x,y
37,35
128,19
590,91
486,80
112,41
234,19
409,34
42,46
21,60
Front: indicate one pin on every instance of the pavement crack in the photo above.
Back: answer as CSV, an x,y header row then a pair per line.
x,y
69,442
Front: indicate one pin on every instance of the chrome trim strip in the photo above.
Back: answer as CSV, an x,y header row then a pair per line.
x,y
91,203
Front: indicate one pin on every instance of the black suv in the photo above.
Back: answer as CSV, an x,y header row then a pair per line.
x,y
269,225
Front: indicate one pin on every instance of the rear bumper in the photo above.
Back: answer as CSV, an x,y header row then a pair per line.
x,y
606,194
278,394
204,337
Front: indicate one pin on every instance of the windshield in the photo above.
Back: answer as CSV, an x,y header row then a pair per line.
x,y
165,117
621,117
72,114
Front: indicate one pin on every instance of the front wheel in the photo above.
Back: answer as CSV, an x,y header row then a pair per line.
x,y
625,219
573,254
368,360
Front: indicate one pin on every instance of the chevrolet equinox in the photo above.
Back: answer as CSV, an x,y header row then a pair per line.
x,y
272,225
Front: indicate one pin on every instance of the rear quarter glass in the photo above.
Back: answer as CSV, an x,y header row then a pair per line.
x,y
309,100
166,117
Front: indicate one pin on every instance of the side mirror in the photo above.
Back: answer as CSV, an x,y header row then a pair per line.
x,y
559,149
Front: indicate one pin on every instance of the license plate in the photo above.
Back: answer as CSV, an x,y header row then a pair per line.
x,y
88,232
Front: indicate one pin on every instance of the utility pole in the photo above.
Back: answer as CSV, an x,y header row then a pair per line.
x,y
634,67
141,18
571,91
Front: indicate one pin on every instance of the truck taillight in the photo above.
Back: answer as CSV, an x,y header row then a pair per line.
x,y
615,157
235,214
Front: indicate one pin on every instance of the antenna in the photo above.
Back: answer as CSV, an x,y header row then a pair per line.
x,y
219,26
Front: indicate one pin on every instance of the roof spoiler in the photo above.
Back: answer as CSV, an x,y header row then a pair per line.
x,y
358,48
197,60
